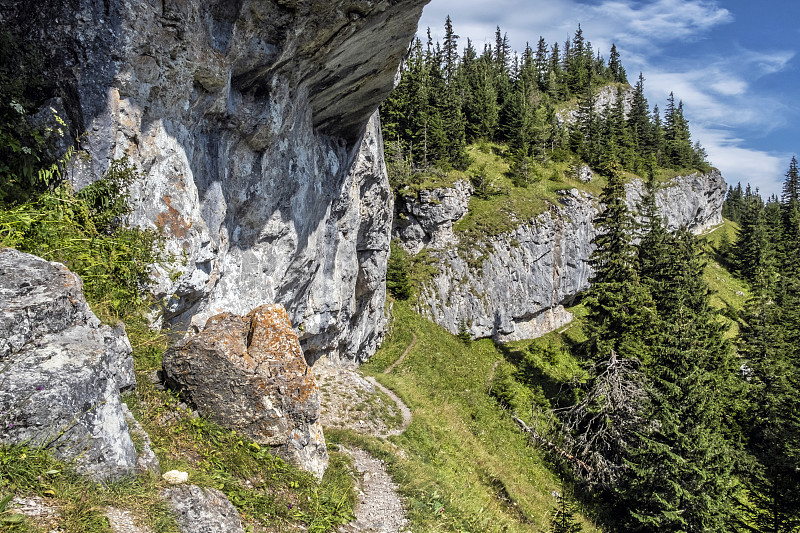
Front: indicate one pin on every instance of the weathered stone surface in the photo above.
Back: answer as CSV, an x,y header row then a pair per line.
x,y
528,275
246,119
248,373
146,458
694,201
61,369
427,220
606,96
584,173
199,510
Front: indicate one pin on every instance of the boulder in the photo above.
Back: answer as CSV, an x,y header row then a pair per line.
x,y
200,510
248,373
61,371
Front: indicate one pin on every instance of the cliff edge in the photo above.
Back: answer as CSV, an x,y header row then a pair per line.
x,y
249,121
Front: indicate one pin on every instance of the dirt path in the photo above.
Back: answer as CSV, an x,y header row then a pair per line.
x,y
379,508
491,373
405,353
404,410
348,402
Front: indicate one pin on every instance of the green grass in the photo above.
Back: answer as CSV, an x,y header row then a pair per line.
x,y
465,465
29,472
665,175
729,293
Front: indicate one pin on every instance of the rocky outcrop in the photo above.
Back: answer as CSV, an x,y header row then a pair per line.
x,y
694,201
247,373
198,510
247,120
427,219
605,97
516,285
61,371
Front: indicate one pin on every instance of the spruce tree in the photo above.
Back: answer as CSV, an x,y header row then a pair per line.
x,y
563,520
615,66
732,208
541,64
680,476
754,252
639,124
773,428
620,308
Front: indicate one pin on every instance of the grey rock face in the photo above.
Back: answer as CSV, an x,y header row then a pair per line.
x,y
527,276
199,510
606,96
61,369
146,458
247,120
428,220
694,201
248,373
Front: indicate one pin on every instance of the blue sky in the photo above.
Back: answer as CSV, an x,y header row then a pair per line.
x,y
734,63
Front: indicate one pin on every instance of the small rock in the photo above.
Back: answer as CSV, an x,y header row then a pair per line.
x,y
200,510
123,521
175,477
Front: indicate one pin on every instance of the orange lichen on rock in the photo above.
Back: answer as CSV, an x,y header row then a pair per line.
x,y
172,221
248,373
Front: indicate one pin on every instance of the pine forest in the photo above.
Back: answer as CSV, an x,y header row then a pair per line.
x,y
687,418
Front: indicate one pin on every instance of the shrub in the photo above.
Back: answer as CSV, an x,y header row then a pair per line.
x,y
84,231
398,282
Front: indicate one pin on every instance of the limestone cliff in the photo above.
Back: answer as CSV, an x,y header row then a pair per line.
x,y
248,120
520,286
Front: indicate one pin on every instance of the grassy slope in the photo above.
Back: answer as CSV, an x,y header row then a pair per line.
x,y
503,212
465,466
512,205
729,293
269,493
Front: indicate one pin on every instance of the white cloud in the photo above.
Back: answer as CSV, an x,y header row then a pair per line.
x,y
729,87
629,23
738,163
718,83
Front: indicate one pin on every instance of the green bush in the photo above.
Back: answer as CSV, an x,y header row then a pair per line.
x,y
25,170
84,231
398,282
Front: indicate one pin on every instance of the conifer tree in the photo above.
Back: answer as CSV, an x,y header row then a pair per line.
x,y
732,208
791,186
680,476
773,428
658,142
615,66
541,64
576,64
754,252
563,520
620,308
639,124
449,51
